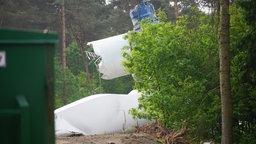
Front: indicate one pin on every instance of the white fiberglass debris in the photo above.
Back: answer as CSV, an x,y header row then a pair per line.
x,y
110,51
97,114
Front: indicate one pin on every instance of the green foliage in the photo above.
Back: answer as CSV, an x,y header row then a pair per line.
x,y
74,58
76,79
161,15
122,85
175,68
243,71
165,6
27,14
76,85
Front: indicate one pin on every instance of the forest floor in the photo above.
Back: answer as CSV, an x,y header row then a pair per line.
x,y
131,138
148,134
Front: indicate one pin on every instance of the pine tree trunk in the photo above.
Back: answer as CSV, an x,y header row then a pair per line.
x,y
176,9
80,42
86,65
63,42
226,99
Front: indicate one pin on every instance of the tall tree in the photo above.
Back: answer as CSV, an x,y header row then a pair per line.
x,y
81,46
84,27
225,88
63,43
176,8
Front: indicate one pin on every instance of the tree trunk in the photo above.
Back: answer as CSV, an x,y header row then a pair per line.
x,y
63,43
225,90
80,44
86,65
176,9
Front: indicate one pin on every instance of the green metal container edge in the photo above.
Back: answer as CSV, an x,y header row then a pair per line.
x,y
12,36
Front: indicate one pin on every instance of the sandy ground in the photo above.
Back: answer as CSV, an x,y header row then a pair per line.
x,y
132,138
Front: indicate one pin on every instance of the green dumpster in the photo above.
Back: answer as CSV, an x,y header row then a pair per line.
x,y
26,87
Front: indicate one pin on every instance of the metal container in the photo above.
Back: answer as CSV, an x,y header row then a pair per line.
x,y
26,87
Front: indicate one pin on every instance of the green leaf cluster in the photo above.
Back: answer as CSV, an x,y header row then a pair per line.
x,y
77,86
174,66
243,71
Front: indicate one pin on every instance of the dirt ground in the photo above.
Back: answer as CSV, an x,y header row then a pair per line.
x,y
132,138
145,134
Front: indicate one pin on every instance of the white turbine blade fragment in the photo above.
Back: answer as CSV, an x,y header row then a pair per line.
x,y
97,114
110,51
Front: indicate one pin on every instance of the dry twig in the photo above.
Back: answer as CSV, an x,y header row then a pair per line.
x,y
166,135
